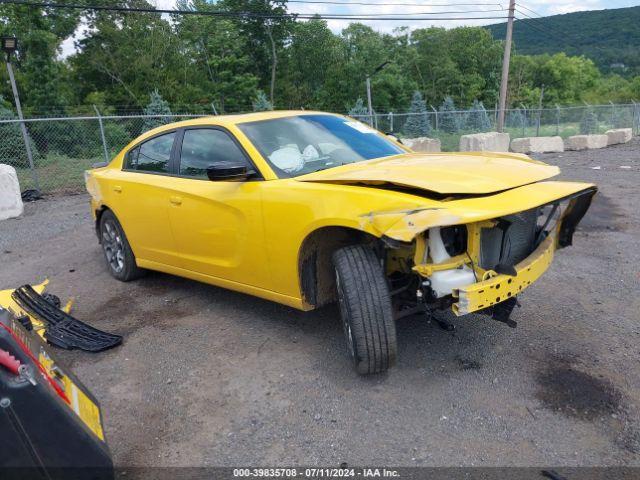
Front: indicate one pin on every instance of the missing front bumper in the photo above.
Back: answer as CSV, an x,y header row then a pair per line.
x,y
499,288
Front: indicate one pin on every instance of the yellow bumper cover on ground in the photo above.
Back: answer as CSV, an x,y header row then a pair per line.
x,y
497,289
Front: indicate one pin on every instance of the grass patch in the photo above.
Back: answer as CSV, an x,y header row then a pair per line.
x,y
57,173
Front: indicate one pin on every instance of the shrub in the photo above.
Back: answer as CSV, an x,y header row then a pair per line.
x,y
261,102
417,125
156,106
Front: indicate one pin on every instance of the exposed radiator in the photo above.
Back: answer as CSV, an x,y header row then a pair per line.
x,y
510,242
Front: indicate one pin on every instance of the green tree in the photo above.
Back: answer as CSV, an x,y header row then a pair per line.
x,y
478,120
265,36
42,77
157,106
449,121
12,151
214,65
417,125
307,62
515,118
125,55
261,102
358,109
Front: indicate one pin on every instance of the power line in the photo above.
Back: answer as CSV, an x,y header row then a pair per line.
x,y
403,4
226,14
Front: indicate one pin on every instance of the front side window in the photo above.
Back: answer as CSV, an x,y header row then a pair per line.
x,y
308,143
153,155
206,147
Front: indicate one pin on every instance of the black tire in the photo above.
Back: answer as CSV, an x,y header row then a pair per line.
x,y
117,251
365,308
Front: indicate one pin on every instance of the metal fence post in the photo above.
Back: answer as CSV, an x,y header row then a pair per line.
x,y
436,112
524,120
391,122
557,119
613,114
104,139
23,127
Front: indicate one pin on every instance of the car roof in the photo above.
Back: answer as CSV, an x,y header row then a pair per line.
x,y
227,120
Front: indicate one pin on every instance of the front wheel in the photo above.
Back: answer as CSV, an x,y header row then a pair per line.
x,y
117,251
365,308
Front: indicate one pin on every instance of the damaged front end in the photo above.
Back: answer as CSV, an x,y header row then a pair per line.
x,y
478,254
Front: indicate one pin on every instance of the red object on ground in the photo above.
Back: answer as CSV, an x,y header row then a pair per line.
x,y
9,362
42,370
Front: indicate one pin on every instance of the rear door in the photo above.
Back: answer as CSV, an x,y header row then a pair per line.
x,y
217,224
141,198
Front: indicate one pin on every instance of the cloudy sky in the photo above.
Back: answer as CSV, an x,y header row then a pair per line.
x,y
459,8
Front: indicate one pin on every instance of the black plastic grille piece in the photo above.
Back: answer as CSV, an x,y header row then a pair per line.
x,y
63,330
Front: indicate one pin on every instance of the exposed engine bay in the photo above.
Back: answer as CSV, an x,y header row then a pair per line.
x,y
481,267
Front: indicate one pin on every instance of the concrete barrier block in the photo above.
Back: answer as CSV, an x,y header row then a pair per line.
x,y
537,145
10,199
485,142
586,142
619,135
423,144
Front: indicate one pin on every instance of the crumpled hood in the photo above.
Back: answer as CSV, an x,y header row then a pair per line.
x,y
453,173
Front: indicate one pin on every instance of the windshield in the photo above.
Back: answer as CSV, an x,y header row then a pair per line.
x,y
309,143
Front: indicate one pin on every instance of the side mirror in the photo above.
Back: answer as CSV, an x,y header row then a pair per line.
x,y
229,172
393,137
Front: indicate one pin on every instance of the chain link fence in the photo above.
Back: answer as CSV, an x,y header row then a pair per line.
x,y
448,126
60,149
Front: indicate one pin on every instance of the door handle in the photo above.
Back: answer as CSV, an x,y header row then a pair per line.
x,y
175,200
117,189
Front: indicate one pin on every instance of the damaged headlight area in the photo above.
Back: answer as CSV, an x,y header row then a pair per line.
x,y
482,266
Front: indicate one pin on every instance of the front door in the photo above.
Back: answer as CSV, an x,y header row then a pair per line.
x,y
217,224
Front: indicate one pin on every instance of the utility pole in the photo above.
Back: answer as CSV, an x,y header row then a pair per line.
x,y
369,101
378,68
505,66
540,110
10,45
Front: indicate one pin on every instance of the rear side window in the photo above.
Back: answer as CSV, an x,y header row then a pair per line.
x,y
153,155
205,147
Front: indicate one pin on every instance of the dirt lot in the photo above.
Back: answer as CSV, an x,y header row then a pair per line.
x,y
211,377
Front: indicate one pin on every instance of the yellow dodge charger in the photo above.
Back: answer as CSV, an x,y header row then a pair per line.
x,y
306,208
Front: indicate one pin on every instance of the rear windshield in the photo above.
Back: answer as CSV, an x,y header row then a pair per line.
x,y
308,143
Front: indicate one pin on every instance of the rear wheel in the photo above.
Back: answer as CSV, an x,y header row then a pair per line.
x,y
117,251
365,308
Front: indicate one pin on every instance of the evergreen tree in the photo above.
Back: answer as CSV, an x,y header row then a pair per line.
x,y
156,106
261,102
516,119
449,121
417,125
589,122
358,110
478,119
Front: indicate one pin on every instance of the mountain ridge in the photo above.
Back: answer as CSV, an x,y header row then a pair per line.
x,y
610,37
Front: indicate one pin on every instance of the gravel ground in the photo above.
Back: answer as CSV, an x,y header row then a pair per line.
x,y
211,377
